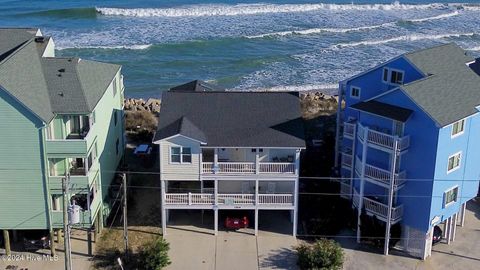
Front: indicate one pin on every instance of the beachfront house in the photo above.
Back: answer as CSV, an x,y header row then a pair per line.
x,y
222,151
408,149
58,116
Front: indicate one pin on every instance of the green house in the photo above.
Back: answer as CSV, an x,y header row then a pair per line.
x,y
58,116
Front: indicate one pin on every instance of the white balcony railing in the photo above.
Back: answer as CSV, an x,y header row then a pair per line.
x,y
380,176
347,160
277,167
383,139
381,210
248,168
378,209
348,129
228,199
283,199
345,190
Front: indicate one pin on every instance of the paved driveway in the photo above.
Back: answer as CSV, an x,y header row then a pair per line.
x,y
462,254
229,250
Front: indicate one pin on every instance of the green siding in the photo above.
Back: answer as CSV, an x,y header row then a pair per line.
x,y
22,181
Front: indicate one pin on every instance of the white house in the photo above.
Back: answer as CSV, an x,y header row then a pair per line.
x,y
231,150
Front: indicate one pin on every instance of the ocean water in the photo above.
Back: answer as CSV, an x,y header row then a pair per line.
x,y
244,45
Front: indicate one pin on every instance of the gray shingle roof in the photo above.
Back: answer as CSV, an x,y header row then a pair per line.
x,y
196,85
233,119
49,86
383,109
11,38
451,90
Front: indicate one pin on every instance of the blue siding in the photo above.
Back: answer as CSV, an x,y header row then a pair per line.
x,y
465,177
418,161
371,83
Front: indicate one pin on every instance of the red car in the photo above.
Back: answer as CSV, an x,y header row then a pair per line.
x,y
236,223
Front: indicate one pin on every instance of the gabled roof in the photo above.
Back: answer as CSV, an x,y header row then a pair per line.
x,y
451,90
233,119
12,38
49,85
196,86
384,109
183,127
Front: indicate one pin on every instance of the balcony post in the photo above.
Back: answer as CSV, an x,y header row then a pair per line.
x,y
297,162
189,198
390,194
295,208
257,161
339,119
215,160
362,182
256,192
164,215
215,192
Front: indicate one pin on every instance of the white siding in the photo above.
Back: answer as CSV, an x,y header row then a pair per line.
x,y
174,171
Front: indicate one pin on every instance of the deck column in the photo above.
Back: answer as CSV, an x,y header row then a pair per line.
x,y
257,202
52,243
256,221
449,230
6,240
215,220
462,215
454,227
295,208
215,160
257,161
362,181
390,196
164,214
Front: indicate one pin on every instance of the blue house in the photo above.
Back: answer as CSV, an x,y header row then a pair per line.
x,y
407,145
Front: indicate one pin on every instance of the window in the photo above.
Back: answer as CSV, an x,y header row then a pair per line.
x,y
454,162
354,92
117,145
450,196
180,155
254,150
56,203
186,155
115,117
114,84
392,76
458,128
93,118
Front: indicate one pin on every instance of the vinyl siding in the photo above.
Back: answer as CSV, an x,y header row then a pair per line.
x,y
22,178
176,171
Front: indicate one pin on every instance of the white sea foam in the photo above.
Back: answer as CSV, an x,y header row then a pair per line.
x,y
474,49
414,37
107,47
251,9
299,88
352,29
439,17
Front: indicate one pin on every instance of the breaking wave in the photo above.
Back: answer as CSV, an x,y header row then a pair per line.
x,y
299,88
251,9
414,37
108,47
352,29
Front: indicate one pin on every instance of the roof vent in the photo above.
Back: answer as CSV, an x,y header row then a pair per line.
x,y
60,94
69,60
39,39
61,70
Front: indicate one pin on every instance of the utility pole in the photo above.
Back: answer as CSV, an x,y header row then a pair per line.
x,y
125,224
66,222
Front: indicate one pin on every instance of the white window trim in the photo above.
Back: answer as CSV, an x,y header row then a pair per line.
x,y
459,162
445,205
389,76
359,92
461,132
181,153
